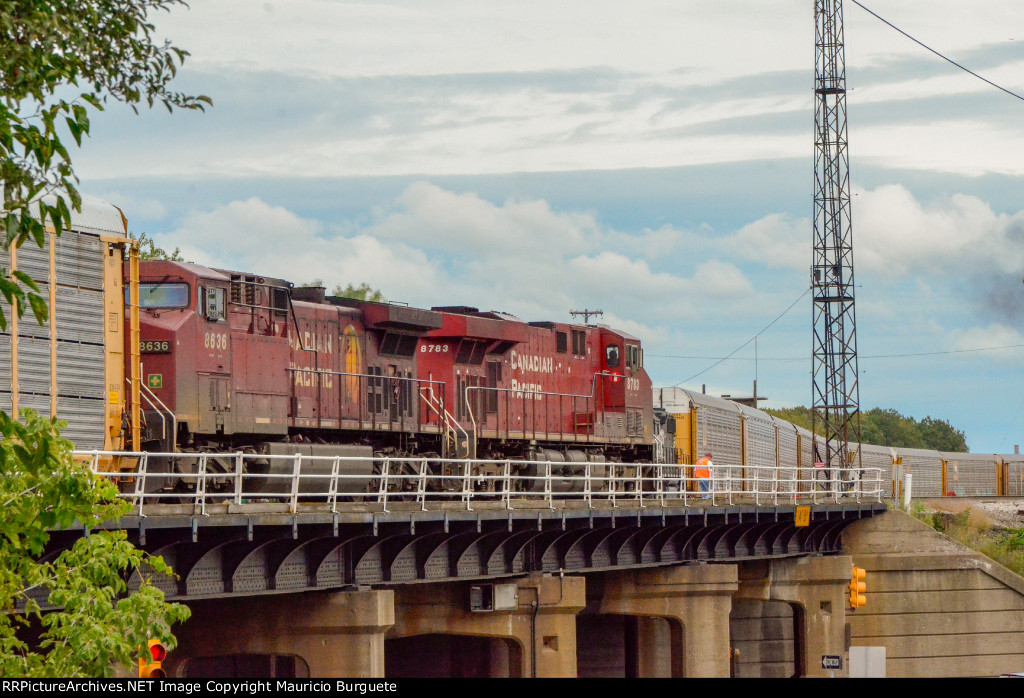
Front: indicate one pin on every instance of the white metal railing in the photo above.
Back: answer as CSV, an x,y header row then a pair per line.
x,y
336,482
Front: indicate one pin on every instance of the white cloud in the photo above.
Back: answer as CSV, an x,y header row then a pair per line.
x,y
140,208
454,36
465,224
999,341
256,237
474,88
957,242
778,240
437,247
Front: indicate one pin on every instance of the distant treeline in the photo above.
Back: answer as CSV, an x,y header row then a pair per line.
x,y
890,428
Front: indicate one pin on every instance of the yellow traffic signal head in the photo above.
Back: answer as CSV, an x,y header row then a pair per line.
x,y
858,587
149,662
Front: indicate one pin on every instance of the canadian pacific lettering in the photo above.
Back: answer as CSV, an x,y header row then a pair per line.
x,y
534,364
309,377
312,341
531,391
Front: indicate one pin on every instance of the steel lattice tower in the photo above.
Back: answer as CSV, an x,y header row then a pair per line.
x,y
836,400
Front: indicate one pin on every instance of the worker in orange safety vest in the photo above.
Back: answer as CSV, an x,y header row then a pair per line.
x,y
703,474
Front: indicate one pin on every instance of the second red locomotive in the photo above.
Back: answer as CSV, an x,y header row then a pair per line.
x,y
238,362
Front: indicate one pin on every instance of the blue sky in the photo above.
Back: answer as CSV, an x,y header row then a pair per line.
x,y
651,159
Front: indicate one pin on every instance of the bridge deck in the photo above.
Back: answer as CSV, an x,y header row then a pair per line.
x,y
226,536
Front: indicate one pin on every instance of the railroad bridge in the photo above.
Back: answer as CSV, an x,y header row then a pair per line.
x,y
609,572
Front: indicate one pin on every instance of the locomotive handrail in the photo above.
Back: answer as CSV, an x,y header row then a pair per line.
x,y
592,396
163,420
415,383
319,482
363,375
174,420
443,414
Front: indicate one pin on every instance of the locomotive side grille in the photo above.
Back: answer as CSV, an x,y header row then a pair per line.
x,y
630,422
613,421
243,289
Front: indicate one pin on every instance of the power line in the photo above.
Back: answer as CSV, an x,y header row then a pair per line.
x,y
951,351
945,58
779,317
804,358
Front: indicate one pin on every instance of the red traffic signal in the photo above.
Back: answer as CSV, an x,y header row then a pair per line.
x,y
149,662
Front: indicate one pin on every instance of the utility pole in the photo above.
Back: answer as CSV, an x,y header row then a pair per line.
x,y
836,395
586,314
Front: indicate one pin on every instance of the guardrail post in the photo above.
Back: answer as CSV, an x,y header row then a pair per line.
x,y
296,472
201,485
467,484
332,497
588,485
421,485
140,481
238,477
639,485
507,484
382,488
547,485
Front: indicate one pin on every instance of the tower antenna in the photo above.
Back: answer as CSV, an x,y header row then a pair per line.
x,y
836,394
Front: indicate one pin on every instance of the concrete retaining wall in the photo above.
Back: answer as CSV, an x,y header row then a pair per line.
x,y
938,608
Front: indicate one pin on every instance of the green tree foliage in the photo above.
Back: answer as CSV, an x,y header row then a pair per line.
x,y
890,428
362,292
58,59
149,250
98,626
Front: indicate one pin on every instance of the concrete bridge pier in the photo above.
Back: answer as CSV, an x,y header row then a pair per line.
x,y
680,621
816,588
695,600
320,634
537,638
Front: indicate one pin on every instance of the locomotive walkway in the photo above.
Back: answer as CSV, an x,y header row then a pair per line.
x,y
235,533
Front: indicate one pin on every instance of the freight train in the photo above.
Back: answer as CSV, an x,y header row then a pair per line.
x,y
738,434
175,357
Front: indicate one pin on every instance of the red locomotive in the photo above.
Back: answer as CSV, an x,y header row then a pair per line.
x,y
238,362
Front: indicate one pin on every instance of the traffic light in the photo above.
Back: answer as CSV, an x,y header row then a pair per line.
x,y
149,662
857,588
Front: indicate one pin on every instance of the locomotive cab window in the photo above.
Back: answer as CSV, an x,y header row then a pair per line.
x,y
561,342
611,356
633,357
160,295
212,303
471,352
